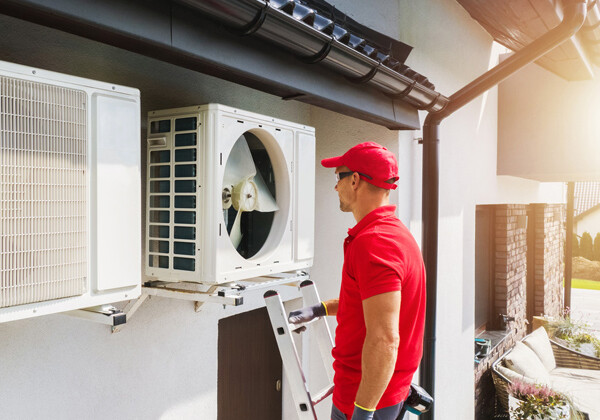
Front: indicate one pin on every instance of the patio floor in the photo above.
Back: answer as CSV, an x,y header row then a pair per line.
x,y
585,305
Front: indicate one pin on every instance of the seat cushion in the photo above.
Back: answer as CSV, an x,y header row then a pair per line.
x,y
513,376
539,342
581,385
522,360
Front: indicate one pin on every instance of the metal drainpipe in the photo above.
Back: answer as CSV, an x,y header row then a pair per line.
x,y
574,16
569,245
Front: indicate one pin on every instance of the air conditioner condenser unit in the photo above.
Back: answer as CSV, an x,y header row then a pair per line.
x,y
230,195
70,193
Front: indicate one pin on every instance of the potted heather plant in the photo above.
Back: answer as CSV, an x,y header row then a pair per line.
x,y
529,401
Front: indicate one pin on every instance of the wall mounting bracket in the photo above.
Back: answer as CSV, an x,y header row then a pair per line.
x,y
104,314
225,294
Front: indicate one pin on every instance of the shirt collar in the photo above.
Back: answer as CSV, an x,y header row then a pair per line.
x,y
378,213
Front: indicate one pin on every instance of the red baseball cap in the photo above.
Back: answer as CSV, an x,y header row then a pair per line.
x,y
374,163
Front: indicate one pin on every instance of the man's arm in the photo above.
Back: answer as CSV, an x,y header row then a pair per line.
x,y
380,350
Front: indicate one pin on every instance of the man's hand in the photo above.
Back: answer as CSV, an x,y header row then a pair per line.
x,y
362,414
307,314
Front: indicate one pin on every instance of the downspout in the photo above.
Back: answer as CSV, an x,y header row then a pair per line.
x,y
569,244
574,16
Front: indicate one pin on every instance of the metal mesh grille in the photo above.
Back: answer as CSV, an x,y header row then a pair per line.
x,y
43,155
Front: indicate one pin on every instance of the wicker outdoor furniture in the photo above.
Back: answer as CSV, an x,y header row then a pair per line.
x,y
537,359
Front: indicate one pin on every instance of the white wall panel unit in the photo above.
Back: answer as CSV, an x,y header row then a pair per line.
x,y
222,199
69,192
118,184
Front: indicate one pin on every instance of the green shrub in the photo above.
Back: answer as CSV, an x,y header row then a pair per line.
x,y
586,246
573,333
597,247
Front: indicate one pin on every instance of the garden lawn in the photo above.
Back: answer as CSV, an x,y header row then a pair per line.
x,y
585,284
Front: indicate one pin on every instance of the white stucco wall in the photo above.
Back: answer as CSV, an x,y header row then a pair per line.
x,y
163,364
548,127
589,223
451,49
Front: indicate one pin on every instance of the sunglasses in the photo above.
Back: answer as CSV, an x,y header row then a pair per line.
x,y
342,175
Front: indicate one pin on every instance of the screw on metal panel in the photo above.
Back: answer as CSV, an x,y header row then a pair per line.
x,y
224,306
33,72
113,88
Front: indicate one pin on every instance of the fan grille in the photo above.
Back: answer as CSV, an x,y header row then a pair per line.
x,y
43,189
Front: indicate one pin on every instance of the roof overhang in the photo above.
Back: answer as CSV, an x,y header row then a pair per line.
x,y
517,23
178,34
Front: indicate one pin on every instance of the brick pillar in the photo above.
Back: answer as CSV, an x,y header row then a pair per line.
x,y
549,258
510,267
511,264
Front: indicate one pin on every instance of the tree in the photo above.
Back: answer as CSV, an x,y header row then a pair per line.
x,y
575,252
597,247
586,246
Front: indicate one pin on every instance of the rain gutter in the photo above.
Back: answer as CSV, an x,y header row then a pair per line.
x,y
574,16
316,39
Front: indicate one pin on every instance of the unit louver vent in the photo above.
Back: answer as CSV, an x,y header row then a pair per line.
x,y
43,192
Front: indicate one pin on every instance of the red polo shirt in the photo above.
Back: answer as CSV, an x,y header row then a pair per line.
x,y
380,255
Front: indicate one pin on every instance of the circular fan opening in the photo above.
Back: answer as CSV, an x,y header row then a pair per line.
x,y
249,195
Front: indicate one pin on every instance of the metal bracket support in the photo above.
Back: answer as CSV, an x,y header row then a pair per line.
x,y
104,314
225,298
224,294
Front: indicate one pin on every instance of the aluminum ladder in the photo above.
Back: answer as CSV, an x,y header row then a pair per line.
x,y
304,403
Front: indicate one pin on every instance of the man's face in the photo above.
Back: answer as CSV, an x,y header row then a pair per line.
x,y
344,190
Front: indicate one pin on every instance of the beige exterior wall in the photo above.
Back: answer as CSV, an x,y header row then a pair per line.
x,y
548,128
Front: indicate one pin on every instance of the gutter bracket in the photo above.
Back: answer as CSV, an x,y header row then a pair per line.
x,y
320,56
406,91
255,24
366,77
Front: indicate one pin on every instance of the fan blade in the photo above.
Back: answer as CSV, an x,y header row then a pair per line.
x,y
236,230
265,202
240,164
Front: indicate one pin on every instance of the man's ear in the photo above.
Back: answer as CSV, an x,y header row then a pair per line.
x,y
355,180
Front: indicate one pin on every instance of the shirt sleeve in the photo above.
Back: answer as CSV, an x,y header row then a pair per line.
x,y
378,265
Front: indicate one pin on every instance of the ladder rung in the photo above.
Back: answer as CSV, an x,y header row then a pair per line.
x,y
324,393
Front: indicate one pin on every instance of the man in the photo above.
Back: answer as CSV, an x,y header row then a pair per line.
x,y
381,308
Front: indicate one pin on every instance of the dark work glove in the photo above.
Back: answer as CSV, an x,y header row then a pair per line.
x,y
362,414
307,314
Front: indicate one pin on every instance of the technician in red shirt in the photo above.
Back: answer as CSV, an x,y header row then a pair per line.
x,y
381,308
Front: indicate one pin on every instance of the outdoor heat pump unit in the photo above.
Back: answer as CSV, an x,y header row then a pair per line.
x,y
70,193
230,195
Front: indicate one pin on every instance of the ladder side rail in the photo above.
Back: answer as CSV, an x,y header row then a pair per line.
x,y
320,326
289,357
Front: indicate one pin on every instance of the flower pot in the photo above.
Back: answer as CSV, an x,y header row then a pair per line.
x,y
562,413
